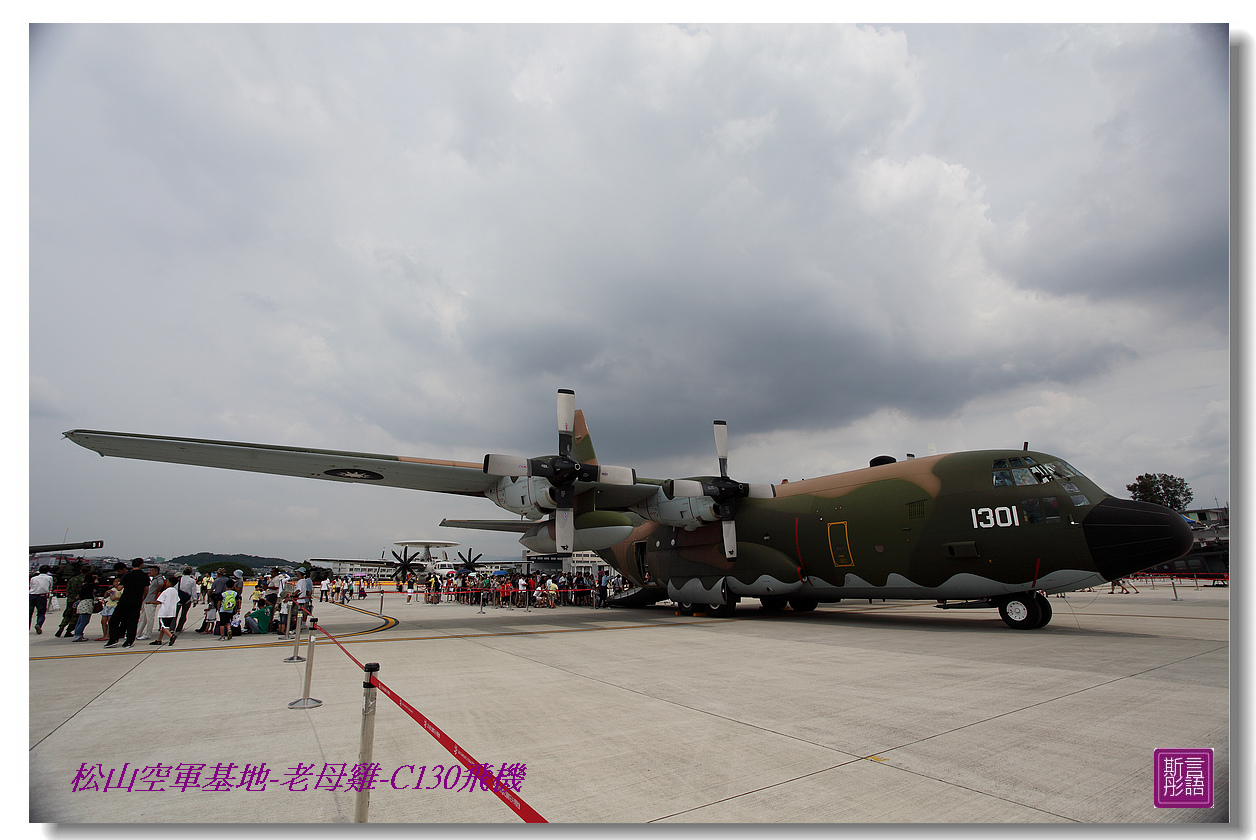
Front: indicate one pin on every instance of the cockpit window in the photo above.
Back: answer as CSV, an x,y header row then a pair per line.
x,y
1025,472
1024,478
1039,511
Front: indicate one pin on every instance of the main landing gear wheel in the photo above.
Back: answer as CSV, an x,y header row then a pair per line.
x,y
722,610
685,608
773,602
803,604
1021,611
1044,604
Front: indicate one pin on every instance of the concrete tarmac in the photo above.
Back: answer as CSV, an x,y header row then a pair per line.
x,y
885,712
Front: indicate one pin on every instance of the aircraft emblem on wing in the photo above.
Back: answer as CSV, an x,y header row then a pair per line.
x,y
356,475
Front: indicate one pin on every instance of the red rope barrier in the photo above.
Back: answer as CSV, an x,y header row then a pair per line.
x,y
521,808
342,647
516,804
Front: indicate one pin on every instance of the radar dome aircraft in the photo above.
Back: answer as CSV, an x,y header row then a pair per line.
x,y
989,529
408,563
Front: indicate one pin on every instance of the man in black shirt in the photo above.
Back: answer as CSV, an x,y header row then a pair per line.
x,y
126,614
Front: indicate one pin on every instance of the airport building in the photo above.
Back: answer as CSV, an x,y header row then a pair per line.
x,y
582,562
340,568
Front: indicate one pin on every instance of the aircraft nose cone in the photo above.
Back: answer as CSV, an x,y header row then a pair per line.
x,y
1126,536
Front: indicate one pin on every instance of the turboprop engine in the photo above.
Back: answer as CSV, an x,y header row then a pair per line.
x,y
594,531
688,512
529,497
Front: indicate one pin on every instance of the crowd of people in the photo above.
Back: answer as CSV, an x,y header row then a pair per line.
x,y
343,589
576,589
135,604
138,603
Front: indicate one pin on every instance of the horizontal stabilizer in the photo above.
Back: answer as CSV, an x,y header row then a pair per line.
x,y
513,526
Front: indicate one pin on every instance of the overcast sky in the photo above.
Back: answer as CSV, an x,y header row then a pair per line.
x,y
845,241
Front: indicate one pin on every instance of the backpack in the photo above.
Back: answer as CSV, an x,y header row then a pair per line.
x,y
228,601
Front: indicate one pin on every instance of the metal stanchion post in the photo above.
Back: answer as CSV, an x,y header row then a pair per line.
x,y
307,702
297,621
381,604
367,742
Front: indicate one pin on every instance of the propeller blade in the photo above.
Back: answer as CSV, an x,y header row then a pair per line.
x,y
617,475
505,465
566,420
683,488
730,538
721,445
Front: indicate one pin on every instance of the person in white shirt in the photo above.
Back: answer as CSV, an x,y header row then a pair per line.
x,y
40,586
187,593
167,611
148,619
302,590
274,597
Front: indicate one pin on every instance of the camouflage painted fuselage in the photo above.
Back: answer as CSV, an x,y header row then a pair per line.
x,y
970,525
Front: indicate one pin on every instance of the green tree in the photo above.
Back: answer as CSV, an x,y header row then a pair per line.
x,y
1162,489
229,565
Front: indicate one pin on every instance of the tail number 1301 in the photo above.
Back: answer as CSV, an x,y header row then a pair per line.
x,y
1000,517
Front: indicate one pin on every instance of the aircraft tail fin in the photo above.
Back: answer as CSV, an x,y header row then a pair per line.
x,y
582,451
582,442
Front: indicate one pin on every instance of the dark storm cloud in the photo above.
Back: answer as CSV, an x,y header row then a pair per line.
x,y
1144,217
405,238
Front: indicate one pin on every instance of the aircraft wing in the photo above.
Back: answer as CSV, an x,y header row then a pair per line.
x,y
621,496
459,477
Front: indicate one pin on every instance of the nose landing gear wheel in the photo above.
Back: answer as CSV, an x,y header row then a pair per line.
x,y
1022,611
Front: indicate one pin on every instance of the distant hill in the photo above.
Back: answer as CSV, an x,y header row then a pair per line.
x,y
229,561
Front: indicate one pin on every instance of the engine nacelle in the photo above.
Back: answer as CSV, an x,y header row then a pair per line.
x,y
529,497
688,512
594,531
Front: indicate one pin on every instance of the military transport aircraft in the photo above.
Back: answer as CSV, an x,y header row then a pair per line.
x,y
994,529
